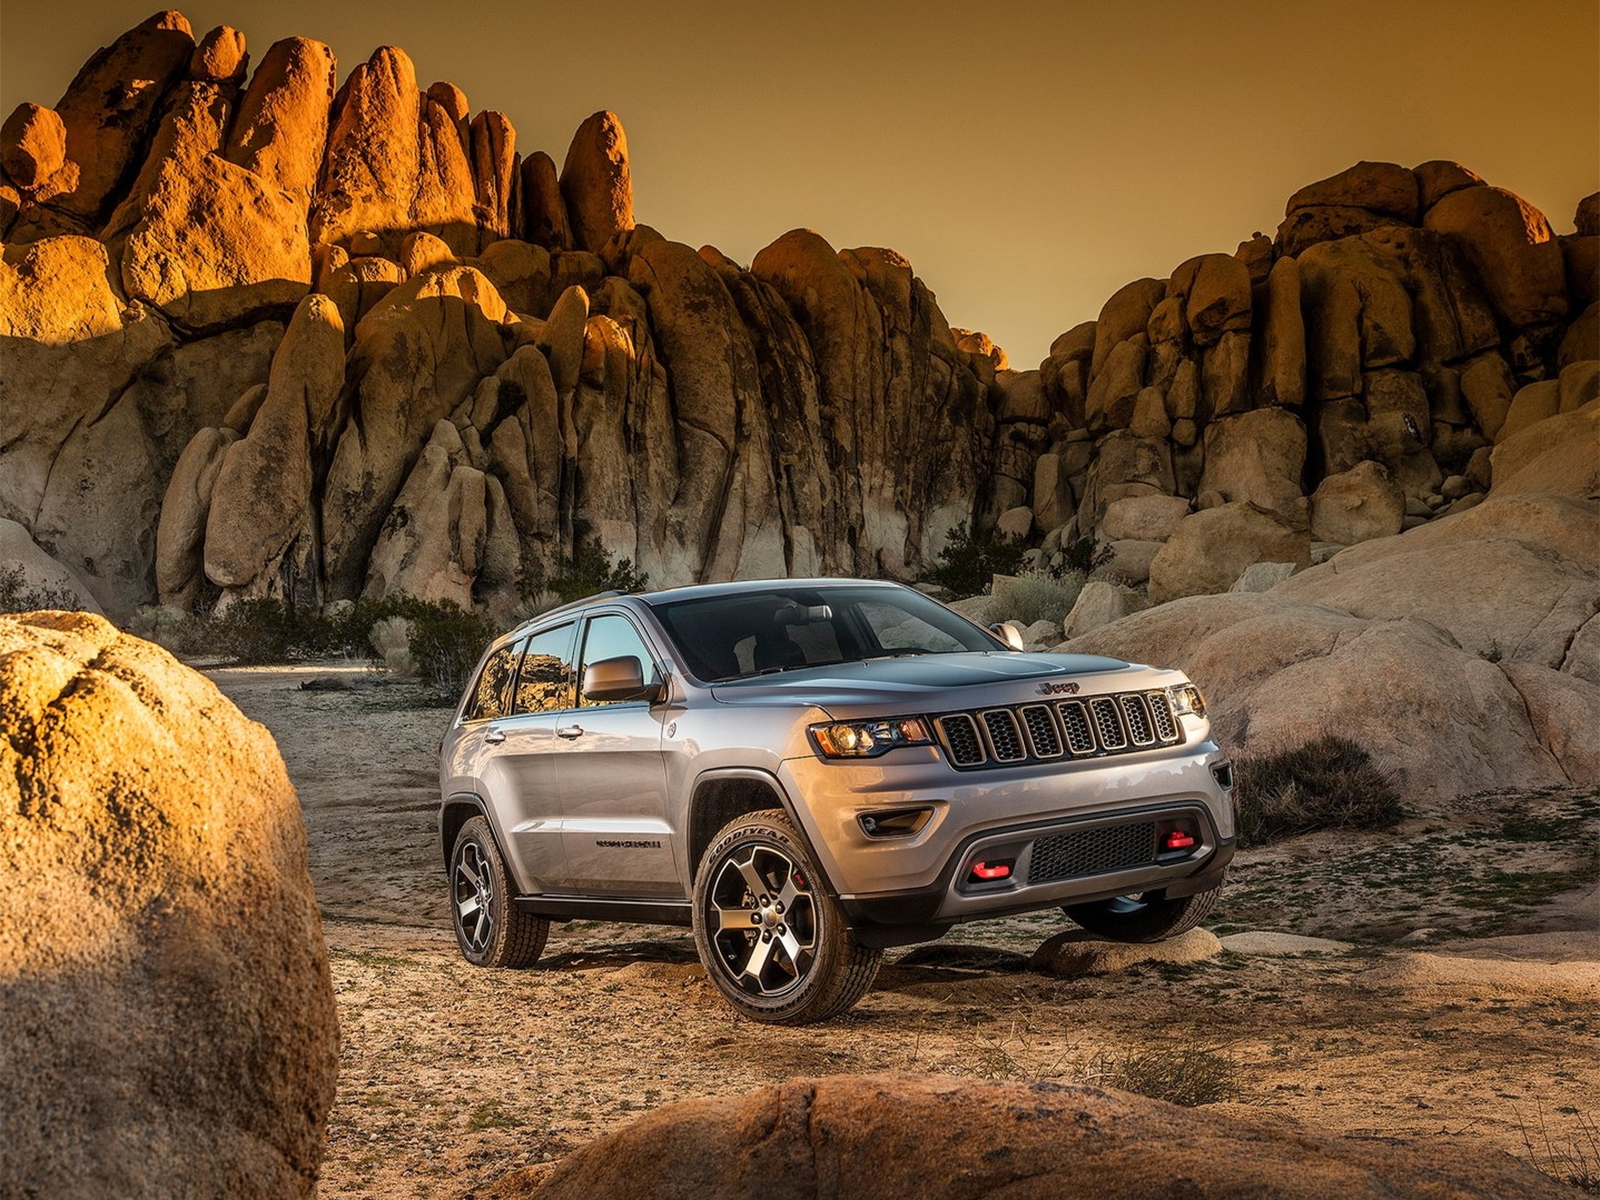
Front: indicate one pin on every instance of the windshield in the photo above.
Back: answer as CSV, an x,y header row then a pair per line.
x,y
758,633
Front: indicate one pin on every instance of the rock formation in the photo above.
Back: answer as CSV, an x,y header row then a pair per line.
x,y
166,1007
827,1137
182,423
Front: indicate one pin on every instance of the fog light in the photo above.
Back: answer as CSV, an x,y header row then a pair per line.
x,y
989,872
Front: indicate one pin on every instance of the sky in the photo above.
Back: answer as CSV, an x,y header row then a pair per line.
x,y
1028,158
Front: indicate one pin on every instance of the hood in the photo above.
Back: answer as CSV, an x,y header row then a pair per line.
x,y
908,682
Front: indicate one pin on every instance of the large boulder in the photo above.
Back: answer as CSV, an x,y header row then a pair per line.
x,y
1029,1141
1379,187
1357,505
33,144
110,105
1209,550
1258,457
1560,454
171,1030
1511,245
281,127
597,183
1099,603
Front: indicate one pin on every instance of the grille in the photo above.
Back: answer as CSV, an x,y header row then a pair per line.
x,y
1138,718
961,739
1004,736
1161,711
1107,728
1093,852
1041,731
1075,720
1115,724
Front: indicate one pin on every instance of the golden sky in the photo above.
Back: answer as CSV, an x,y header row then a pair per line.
x,y
1029,158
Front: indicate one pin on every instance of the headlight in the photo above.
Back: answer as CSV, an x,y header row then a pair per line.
x,y
868,739
1186,699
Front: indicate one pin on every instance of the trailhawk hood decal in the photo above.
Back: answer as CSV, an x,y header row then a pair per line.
x,y
891,680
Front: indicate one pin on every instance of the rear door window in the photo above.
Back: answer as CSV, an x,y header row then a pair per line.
x,y
546,681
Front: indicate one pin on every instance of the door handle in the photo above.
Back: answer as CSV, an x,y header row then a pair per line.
x,y
495,736
570,731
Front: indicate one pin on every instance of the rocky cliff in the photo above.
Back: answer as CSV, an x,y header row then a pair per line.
x,y
266,334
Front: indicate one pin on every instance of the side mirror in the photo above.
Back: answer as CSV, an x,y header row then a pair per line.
x,y
1007,633
613,679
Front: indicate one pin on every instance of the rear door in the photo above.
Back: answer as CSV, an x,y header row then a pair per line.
x,y
522,779
618,838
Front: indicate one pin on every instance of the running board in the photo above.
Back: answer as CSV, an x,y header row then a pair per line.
x,y
586,908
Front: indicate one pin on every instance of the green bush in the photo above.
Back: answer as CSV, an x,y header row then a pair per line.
x,y
17,597
586,572
1085,554
446,642
970,560
257,631
1039,596
1328,783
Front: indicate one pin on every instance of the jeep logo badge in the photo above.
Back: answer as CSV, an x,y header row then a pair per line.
x,y
1058,689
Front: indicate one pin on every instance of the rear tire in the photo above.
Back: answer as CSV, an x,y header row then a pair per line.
x,y
772,940
1148,917
490,929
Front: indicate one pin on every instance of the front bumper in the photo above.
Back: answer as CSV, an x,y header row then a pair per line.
x,y
921,882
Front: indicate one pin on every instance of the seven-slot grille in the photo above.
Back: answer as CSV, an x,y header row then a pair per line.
x,y
1115,724
1093,851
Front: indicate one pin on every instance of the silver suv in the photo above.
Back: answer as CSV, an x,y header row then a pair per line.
x,y
810,771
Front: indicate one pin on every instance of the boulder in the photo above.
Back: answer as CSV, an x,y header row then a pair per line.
x,y
1452,574
109,108
1357,505
1511,245
1100,603
191,957
1439,177
1021,397
1129,563
596,182
1379,187
1281,346
40,580
818,1137
282,125
220,56
1211,549
544,212
1532,404
1150,518
1150,418
185,508
1258,457
1487,387
1053,501
1074,953
1586,218
1015,523
1125,314
261,528
1560,454
33,144
1579,385
1307,227
1216,293
1114,394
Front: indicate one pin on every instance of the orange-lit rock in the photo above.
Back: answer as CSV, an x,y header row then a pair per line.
x,y
171,1029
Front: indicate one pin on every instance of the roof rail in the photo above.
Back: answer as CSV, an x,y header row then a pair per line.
x,y
561,608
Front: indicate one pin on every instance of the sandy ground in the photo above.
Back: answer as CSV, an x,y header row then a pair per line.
x,y
1466,1007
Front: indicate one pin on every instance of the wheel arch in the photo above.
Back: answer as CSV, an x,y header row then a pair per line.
x,y
456,811
721,796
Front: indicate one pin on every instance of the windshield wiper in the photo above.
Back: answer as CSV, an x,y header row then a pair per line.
x,y
905,652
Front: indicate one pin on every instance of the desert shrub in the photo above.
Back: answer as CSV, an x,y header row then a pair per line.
x,y
1327,783
586,572
255,631
1574,1160
1085,554
1189,1076
446,642
17,597
390,638
969,560
1039,596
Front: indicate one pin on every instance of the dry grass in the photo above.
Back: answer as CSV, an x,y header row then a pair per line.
x,y
1574,1160
1328,783
1190,1076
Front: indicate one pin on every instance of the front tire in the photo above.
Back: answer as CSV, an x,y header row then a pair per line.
x,y
490,929
1146,917
772,940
